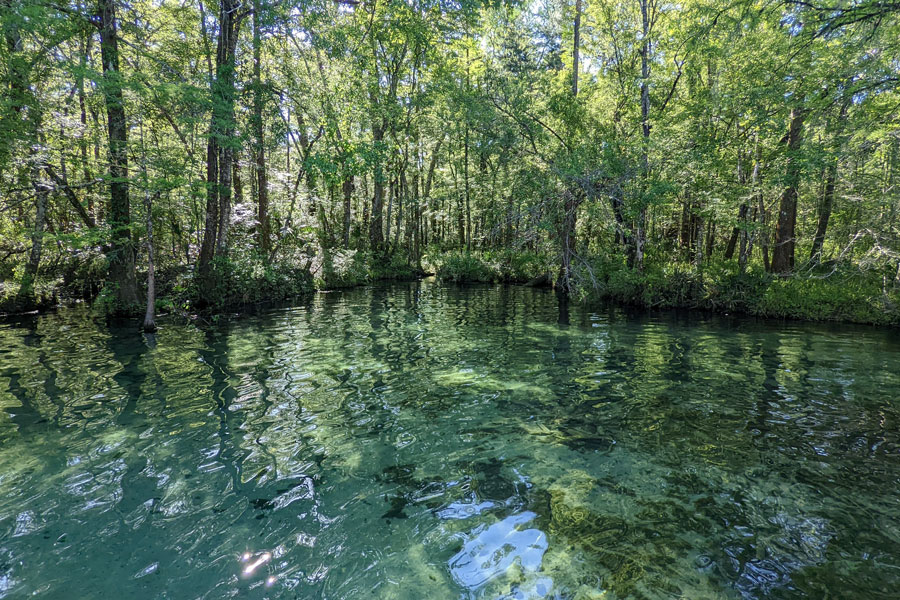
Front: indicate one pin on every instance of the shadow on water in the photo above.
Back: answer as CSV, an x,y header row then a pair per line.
x,y
416,440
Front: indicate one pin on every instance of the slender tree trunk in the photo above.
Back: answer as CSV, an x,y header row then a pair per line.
x,y
224,100
82,135
220,149
417,217
686,219
211,215
640,234
783,255
262,181
401,191
348,198
564,283
466,188
18,97
121,252
150,313
764,234
698,240
824,212
827,204
376,237
26,288
392,190
576,48
746,238
365,203
429,179
238,183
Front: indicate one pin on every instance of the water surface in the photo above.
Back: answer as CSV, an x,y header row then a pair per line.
x,y
421,441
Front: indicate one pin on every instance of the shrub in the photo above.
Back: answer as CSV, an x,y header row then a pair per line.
x,y
463,267
519,266
244,279
344,268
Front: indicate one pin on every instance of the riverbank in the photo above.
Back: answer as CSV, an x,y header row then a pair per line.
x,y
823,293
826,293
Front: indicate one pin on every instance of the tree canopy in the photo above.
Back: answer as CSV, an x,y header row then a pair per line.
x,y
251,148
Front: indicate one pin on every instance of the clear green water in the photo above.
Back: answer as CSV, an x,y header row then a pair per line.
x,y
420,441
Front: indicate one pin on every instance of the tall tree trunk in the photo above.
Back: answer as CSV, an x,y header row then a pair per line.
x,y
18,96
376,236
417,217
224,100
220,149
121,252
466,188
82,135
640,233
564,283
237,182
576,48
262,181
26,288
828,192
824,211
743,209
392,187
783,254
686,218
710,237
401,192
698,238
211,215
429,179
746,238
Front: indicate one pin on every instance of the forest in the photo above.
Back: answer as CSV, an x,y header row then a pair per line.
x,y
450,299
162,156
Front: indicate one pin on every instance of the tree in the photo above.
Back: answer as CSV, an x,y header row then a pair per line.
x,y
121,251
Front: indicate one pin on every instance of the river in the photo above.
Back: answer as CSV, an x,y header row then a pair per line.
x,y
414,441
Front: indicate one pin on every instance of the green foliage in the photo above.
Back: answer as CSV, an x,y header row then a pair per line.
x,y
83,274
44,295
396,267
465,118
507,266
245,280
841,296
520,266
342,269
348,268
464,267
